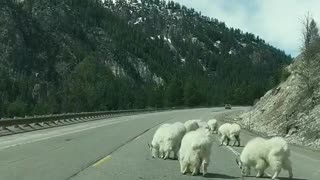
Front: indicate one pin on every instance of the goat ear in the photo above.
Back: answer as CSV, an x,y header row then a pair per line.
x,y
149,146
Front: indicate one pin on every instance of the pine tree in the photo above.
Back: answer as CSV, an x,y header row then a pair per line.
x,y
310,49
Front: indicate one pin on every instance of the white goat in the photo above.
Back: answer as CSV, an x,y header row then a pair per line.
x,y
167,139
203,125
261,153
195,151
230,132
178,131
157,140
213,125
191,125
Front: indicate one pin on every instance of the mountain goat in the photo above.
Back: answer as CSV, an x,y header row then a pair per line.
x,y
213,125
191,125
157,141
203,125
195,151
167,139
230,132
261,153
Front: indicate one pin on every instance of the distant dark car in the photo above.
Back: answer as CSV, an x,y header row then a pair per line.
x,y
227,106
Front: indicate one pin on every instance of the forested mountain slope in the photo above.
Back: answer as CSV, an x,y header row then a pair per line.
x,y
88,55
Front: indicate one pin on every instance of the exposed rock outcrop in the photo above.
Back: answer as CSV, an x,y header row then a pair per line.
x,y
290,109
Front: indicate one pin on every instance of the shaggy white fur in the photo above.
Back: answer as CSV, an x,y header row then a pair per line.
x,y
213,125
191,125
157,140
230,132
195,151
203,125
260,153
167,139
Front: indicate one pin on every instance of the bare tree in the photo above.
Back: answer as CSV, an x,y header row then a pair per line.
x,y
310,48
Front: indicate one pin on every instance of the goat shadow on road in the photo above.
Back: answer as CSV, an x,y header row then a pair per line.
x,y
241,146
285,178
280,178
220,176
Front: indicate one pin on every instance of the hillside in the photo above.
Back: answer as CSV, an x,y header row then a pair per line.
x,y
289,109
85,55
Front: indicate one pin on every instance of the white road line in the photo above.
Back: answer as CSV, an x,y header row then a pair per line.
x,y
80,130
233,151
101,161
137,137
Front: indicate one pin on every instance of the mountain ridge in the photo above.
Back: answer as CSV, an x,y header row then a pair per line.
x,y
85,55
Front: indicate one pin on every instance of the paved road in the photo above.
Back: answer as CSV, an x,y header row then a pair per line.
x,y
116,148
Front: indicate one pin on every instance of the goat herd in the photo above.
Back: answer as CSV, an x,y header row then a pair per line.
x,y
193,141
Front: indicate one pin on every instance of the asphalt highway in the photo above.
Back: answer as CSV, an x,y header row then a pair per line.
x,y
116,148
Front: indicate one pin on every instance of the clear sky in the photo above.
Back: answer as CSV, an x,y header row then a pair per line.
x,y
279,22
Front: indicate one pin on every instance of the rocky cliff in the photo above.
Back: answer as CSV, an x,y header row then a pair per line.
x,y
291,109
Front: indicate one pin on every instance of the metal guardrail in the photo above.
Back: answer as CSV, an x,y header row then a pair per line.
x,y
19,125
